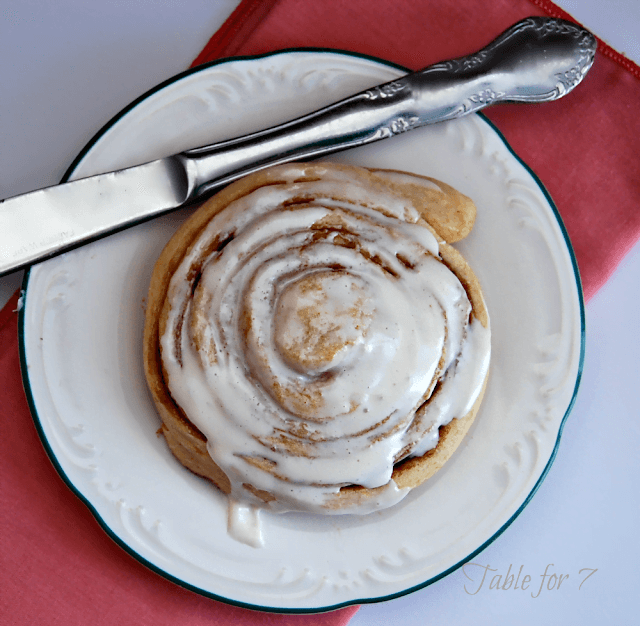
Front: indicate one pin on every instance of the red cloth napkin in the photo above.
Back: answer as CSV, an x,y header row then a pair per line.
x,y
58,565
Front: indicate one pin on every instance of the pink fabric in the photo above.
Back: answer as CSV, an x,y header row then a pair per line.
x,y
58,565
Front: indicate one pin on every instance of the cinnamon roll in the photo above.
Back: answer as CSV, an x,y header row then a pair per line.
x,y
313,342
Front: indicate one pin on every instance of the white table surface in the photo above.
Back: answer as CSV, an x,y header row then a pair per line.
x,y
67,67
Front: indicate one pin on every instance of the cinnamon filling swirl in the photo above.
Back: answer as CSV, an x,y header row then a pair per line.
x,y
310,330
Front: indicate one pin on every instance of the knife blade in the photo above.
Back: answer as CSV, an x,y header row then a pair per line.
x,y
536,60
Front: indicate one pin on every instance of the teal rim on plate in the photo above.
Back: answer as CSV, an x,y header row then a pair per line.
x,y
88,503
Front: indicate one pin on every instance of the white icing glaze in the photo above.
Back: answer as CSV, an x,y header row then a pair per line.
x,y
243,523
314,339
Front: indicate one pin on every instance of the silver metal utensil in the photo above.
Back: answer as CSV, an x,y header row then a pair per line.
x,y
536,60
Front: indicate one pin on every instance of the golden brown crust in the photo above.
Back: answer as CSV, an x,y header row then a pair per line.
x,y
449,214
459,266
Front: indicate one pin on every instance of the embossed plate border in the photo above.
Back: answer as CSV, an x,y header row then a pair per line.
x,y
524,459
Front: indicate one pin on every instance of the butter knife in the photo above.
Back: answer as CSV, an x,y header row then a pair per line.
x,y
536,60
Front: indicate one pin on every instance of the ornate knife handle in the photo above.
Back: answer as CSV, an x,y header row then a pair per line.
x,y
536,60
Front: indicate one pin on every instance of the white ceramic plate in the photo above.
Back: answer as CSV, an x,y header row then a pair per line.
x,y
81,349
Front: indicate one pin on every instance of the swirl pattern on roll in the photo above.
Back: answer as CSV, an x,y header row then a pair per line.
x,y
314,334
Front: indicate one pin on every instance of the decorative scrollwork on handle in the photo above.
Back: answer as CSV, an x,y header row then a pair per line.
x,y
478,101
568,80
464,64
385,91
587,45
397,126
484,97
541,28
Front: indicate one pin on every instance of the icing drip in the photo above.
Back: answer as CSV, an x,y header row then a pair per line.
x,y
244,523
